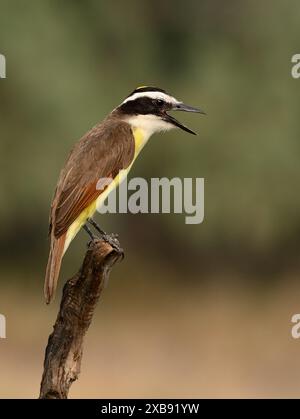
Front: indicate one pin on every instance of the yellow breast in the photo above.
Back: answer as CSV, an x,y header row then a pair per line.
x,y
140,139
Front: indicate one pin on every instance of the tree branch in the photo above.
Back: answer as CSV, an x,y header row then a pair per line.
x,y
80,296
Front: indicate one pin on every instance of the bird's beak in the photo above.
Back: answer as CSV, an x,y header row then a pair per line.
x,y
186,108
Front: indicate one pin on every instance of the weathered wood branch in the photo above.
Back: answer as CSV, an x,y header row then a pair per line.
x,y
80,296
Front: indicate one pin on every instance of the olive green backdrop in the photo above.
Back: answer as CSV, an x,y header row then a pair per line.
x,y
193,310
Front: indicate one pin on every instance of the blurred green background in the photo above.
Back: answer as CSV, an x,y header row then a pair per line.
x,y
192,310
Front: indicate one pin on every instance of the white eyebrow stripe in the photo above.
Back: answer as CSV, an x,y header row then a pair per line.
x,y
152,95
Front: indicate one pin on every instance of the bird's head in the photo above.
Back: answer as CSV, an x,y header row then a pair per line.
x,y
147,108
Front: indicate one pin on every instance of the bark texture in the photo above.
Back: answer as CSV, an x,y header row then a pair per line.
x,y
80,296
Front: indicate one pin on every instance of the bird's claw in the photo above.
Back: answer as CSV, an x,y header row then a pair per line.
x,y
112,239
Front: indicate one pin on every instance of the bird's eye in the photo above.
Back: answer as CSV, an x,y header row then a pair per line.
x,y
160,102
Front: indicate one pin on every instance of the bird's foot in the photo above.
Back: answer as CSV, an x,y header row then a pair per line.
x,y
112,239
96,227
91,235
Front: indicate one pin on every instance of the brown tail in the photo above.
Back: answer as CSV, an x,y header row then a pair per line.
x,y
53,266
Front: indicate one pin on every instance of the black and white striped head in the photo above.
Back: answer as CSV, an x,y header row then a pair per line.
x,y
147,108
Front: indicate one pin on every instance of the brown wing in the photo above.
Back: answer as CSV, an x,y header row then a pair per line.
x,y
102,152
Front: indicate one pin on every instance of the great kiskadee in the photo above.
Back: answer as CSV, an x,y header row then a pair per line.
x,y
106,150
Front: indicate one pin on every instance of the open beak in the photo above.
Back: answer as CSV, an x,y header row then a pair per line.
x,y
186,108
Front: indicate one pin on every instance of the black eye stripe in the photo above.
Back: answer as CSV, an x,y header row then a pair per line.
x,y
158,102
143,105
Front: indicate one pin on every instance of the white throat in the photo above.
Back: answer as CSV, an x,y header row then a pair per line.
x,y
149,124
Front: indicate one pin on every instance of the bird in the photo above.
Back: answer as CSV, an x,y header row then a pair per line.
x,y
108,149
